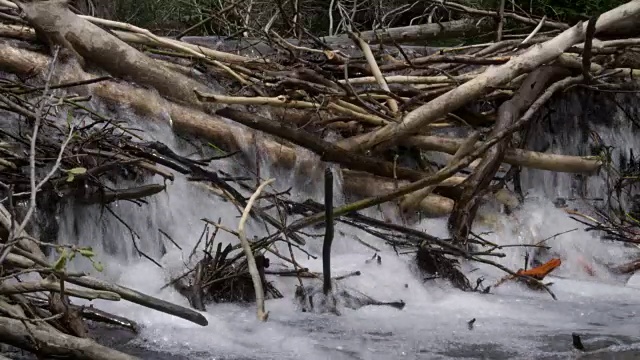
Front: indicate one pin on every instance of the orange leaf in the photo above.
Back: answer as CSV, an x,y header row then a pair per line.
x,y
539,272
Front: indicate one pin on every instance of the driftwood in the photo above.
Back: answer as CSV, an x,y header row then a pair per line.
x,y
262,314
461,219
55,21
493,77
412,33
372,112
40,339
183,119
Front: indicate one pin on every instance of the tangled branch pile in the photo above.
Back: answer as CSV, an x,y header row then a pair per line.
x,y
374,103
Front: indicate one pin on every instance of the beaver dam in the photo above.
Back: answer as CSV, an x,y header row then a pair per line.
x,y
349,196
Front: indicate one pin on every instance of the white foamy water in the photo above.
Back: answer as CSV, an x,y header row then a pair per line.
x,y
511,322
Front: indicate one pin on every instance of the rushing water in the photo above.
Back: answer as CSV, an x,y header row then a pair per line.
x,y
510,322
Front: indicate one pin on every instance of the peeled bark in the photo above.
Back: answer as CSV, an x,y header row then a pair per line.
x,y
234,137
54,21
363,184
147,103
493,77
197,123
526,158
443,30
28,34
186,120
411,201
464,211
43,340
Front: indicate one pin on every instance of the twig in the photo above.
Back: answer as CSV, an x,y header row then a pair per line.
x,y
535,31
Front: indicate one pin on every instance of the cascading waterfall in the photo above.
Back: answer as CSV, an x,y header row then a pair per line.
x,y
512,321
566,126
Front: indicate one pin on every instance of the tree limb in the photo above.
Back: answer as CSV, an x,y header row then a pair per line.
x,y
480,85
464,211
251,261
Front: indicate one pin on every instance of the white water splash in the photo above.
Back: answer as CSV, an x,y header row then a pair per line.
x,y
512,321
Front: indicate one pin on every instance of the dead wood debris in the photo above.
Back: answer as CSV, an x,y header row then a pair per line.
x,y
387,104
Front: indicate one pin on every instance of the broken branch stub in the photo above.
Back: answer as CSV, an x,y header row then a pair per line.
x,y
494,76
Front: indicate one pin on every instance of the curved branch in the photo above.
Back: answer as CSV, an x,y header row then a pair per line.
x,y
251,261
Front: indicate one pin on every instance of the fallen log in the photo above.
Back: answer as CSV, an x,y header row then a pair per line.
x,y
410,202
141,299
444,30
148,104
188,116
525,158
47,285
20,62
224,134
330,153
485,82
54,21
464,212
42,340
326,150
188,121
445,172
361,185
128,294
194,122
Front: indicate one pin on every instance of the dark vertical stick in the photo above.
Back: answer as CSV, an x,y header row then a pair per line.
x,y
328,233
577,342
586,51
500,21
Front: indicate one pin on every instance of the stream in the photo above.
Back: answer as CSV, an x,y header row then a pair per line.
x,y
511,321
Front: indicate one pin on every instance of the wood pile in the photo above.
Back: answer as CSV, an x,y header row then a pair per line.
x,y
375,105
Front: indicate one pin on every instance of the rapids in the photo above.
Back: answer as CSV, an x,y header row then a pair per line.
x,y
510,322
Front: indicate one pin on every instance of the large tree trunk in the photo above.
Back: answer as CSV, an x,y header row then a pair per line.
x,y
55,22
